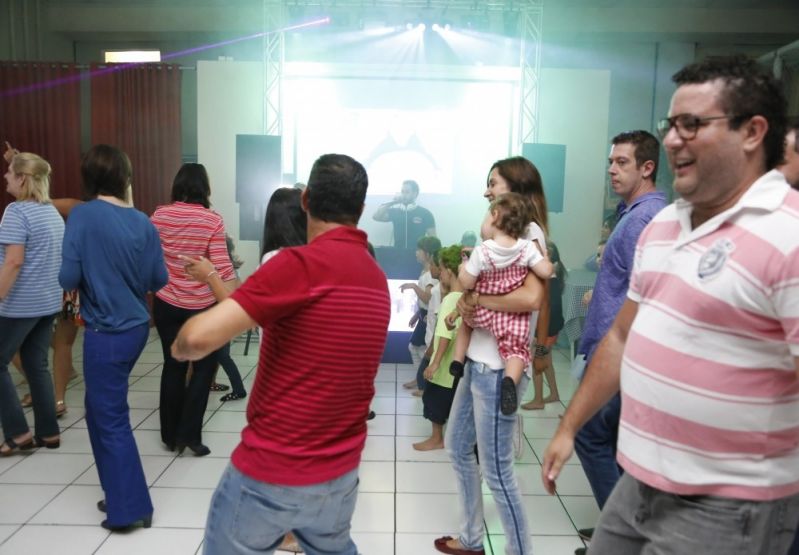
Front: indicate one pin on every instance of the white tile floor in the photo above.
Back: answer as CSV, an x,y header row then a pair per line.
x,y
406,498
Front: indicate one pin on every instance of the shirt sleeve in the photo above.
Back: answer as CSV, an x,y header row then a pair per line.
x,y
447,305
158,275
276,290
218,255
475,262
785,299
534,256
14,229
71,273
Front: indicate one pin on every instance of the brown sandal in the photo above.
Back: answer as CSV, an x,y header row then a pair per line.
x,y
60,409
26,401
14,447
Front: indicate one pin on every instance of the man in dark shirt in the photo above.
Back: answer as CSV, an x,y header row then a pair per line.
x,y
411,221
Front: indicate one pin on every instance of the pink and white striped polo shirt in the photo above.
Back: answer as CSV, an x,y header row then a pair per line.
x,y
710,395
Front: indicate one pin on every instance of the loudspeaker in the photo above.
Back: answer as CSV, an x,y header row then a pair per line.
x,y
258,173
551,163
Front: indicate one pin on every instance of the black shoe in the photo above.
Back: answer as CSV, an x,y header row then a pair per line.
x,y
145,522
232,397
507,396
456,369
101,505
585,533
580,551
371,415
198,449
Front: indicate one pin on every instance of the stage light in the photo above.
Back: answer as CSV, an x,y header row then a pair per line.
x,y
447,27
421,27
436,27
409,26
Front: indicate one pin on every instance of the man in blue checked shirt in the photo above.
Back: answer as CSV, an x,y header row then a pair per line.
x,y
633,164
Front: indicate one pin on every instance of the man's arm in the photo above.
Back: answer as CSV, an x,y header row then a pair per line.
x,y
381,214
209,330
600,383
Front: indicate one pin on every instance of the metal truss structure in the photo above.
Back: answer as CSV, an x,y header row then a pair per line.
x,y
528,13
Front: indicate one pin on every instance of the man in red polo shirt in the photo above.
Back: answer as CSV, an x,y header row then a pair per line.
x,y
324,308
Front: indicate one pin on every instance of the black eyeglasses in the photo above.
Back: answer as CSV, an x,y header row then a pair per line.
x,y
687,125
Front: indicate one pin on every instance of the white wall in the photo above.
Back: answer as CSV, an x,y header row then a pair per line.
x,y
574,112
229,103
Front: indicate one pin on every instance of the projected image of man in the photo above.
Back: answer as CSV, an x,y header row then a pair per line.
x,y
410,221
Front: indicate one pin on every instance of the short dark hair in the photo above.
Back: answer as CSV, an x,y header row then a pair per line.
x,y
429,244
645,145
515,212
413,184
748,91
105,170
285,222
524,178
337,189
191,185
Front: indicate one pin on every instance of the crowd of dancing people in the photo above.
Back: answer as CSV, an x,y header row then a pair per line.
x,y
684,450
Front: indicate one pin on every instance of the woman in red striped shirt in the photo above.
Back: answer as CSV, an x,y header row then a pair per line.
x,y
187,227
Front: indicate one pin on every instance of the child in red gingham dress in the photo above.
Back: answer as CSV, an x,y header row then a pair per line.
x,y
498,266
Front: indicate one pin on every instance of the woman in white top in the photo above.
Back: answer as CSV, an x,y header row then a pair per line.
x,y
475,417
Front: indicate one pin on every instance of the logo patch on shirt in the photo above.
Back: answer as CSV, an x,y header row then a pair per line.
x,y
715,258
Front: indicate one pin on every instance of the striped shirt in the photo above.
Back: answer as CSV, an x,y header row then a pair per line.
x,y
39,228
191,230
325,310
710,395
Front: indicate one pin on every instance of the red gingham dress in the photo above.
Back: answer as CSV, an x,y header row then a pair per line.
x,y
511,329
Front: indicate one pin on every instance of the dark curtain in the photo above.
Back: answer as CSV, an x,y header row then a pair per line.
x,y
137,109
40,113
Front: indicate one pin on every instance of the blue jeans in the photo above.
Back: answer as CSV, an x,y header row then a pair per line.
x,y
108,359
31,337
230,368
595,445
475,418
248,516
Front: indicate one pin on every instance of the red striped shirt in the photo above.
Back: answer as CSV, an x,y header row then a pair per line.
x,y
191,230
325,309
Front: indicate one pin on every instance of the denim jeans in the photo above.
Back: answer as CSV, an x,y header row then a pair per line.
x,y
475,418
595,445
31,337
248,516
641,519
230,368
108,359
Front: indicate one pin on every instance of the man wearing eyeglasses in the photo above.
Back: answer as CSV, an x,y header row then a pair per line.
x,y
632,167
705,349
790,167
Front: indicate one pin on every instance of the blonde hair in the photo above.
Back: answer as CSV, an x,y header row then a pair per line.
x,y
37,176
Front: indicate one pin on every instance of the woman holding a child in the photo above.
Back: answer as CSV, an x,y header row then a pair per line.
x,y
476,417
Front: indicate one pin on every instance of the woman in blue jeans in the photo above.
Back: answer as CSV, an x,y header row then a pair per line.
x,y
112,255
475,417
30,253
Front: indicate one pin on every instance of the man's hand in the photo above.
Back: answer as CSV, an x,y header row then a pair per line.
x,y
559,450
431,369
405,286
